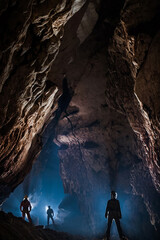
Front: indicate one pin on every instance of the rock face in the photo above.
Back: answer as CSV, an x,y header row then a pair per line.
x,y
107,118
133,68
95,141
133,57
109,134
30,43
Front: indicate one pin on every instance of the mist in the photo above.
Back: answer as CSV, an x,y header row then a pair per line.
x,y
44,188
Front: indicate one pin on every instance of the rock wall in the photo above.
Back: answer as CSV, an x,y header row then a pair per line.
x,y
133,68
110,129
132,53
30,38
108,112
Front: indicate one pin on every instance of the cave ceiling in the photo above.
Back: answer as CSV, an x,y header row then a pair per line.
x,y
89,70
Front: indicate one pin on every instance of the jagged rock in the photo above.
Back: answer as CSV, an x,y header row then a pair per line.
x,y
31,38
105,111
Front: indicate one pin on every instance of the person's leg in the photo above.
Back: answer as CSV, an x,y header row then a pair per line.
x,y
29,217
48,220
23,215
108,228
119,227
52,219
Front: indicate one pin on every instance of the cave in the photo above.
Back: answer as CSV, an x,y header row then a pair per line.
x,y
79,117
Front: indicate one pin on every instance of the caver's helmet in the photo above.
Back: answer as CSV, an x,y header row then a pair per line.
x,y
25,197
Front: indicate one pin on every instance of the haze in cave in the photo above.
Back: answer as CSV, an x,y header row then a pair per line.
x,y
79,117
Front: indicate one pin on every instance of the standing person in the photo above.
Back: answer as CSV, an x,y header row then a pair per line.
x,y
25,208
50,214
113,211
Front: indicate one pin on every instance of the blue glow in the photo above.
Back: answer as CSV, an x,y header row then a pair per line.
x,y
44,188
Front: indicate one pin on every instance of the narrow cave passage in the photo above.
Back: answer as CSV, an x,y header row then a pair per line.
x,y
43,186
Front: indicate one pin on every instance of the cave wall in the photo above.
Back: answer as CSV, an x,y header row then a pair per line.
x,y
133,50
30,38
110,131
133,59
107,103
96,143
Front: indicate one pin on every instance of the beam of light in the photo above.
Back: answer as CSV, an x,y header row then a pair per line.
x,y
34,200
61,215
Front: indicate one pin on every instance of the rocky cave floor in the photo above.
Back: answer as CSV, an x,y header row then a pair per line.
x,y
12,227
15,228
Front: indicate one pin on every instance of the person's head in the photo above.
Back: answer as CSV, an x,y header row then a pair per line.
x,y
49,206
25,197
113,195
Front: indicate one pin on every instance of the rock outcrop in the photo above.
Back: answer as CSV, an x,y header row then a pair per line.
x,y
16,229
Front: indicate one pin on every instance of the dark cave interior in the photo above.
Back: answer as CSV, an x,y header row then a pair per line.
x,y
79,117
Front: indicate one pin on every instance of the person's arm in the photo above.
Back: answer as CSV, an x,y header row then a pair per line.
x,y
107,210
52,212
30,207
119,210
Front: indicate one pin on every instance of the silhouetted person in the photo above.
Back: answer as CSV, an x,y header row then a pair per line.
x,y
113,211
25,208
50,214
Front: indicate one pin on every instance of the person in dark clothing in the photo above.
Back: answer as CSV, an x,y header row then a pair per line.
x,y
113,211
50,214
25,208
